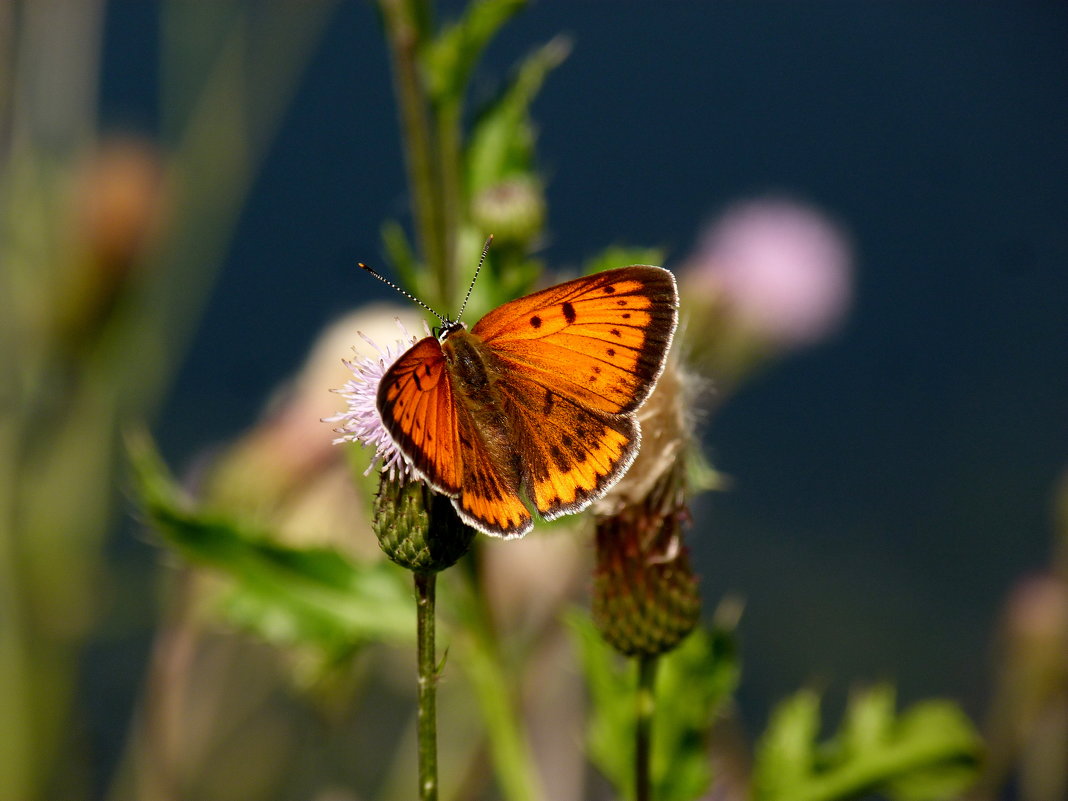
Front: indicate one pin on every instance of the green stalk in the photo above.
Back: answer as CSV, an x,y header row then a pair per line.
x,y
643,729
450,152
427,714
493,686
403,31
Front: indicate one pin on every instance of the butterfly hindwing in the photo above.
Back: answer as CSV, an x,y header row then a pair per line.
x,y
600,340
489,493
418,409
571,454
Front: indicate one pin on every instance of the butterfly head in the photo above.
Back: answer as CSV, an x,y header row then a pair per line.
x,y
447,328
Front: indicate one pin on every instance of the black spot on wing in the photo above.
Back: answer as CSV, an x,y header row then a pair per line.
x,y
560,459
569,312
535,321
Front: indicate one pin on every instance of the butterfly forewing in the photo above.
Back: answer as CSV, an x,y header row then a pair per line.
x,y
600,340
418,409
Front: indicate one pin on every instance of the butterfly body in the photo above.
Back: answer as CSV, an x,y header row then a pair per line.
x,y
535,405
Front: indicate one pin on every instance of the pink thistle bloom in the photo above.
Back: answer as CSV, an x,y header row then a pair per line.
x,y
781,269
361,421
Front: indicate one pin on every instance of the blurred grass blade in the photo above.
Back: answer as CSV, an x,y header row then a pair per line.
x,y
308,595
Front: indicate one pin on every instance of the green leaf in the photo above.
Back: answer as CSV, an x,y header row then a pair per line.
x,y
787,752
293,596
450,59
926,754
693,683
502,141
610,730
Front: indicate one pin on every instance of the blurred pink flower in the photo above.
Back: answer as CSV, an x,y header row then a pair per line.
x,y
780,268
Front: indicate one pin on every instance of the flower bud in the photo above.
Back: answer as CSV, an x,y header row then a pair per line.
x,y
513,210
417,527
645,595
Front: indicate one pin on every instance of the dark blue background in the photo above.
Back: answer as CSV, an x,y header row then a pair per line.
x,y
889,486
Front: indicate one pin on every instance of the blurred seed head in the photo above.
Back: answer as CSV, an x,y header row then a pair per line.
x,y
1037,617
121,201
119,209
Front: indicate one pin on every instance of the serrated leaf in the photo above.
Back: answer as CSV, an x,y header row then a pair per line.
x,y
502,140
869,720
928,753
449,60
311,596
693,682
786,752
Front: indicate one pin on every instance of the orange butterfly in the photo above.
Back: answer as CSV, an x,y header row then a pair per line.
x,y
536,403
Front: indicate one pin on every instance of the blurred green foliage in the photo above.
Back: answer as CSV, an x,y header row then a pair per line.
x,y
929,752
693,685
289,596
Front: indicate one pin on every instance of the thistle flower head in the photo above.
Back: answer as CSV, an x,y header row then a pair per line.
x,y
645,596
361,421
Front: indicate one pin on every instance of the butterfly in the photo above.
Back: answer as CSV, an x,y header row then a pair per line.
x,y
535,405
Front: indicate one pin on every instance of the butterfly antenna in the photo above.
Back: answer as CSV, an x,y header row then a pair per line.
x,y
406,294
485,250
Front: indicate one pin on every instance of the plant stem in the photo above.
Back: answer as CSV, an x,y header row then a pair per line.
x,y
494,687
403,30
427,715
451,155
643,730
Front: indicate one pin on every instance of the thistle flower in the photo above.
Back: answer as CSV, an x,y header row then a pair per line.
x,y
416,528
361,421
